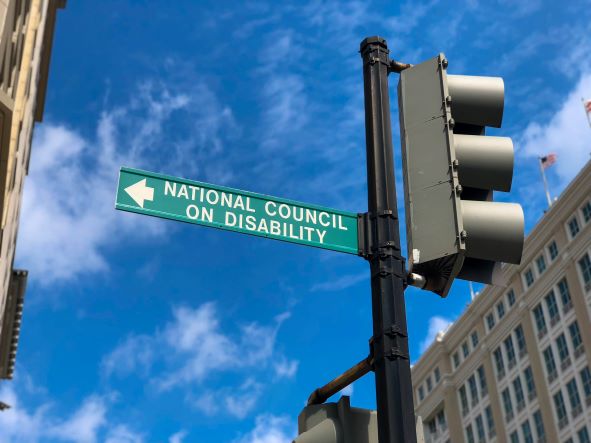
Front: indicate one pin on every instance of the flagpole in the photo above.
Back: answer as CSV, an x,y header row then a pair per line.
x,y
545,182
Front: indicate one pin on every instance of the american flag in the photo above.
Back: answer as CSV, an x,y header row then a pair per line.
x,y
548,160
587,106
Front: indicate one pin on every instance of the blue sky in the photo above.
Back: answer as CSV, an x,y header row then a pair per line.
x,y
144,330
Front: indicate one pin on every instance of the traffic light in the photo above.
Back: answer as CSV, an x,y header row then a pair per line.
x,y
337,423
451,169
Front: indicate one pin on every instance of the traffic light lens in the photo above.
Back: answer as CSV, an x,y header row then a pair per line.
x,y
477,100
484,162
494,231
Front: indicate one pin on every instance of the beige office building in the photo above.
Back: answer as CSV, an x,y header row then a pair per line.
x,y
26,35
516,366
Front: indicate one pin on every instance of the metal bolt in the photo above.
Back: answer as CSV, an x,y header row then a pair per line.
x,y
448,100
459,190
451,123
444,63
463,235
455,164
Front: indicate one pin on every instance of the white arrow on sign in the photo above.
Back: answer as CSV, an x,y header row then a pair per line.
x,y
140,192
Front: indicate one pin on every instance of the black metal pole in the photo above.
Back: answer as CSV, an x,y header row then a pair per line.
x,y
396,419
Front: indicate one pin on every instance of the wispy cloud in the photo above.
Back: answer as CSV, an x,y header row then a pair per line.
x,y
89,423
285,368
340,283
189,348
566,133
270,429
68,217
348,390
122,434
437,324
178,437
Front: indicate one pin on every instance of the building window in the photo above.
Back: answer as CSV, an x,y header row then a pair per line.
x,y
563,353
553,250
437,375
560,410
464,400
585,266
490,321
490,422
552,308
550,364
540,320
521,345
456,358
421,393
474,337
500,364
575,335
469,434
565,295
530,383
586,380
432,425
526,430
501,310
514,437
510,350
511,297
429,384
573,397
465,349
473,390
519,397
573,227
587,212
441,420
480,429
482,379
583,435
541,264
539,423
507,405
529,278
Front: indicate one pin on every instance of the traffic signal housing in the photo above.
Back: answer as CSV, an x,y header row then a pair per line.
x,y
454,228
337,423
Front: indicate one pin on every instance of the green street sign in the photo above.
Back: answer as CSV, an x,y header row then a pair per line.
x,y
234,210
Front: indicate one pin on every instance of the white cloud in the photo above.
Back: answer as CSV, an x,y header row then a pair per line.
x,y
566,133
177,437
85,425
270,429
17,425
338,284
68,217
133,354
208,403
347,390
195,336
192,348
122,434
285,368
437,324
243,400
236,401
